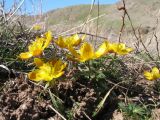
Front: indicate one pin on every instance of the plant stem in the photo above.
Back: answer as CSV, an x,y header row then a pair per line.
x,y
113,60
89,67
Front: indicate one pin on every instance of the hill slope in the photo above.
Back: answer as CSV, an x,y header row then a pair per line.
x,y
142,12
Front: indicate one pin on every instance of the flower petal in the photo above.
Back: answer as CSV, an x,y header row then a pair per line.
x,y
37,52
58,74
74,52
25,55
101,50
148,75
36,75
47,39
86,52
76,40
61,42
122,50
37,44
155,72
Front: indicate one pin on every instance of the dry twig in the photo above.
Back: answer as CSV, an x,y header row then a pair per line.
x,y
57,112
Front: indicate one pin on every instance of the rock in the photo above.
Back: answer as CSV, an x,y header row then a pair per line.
x,y
5,73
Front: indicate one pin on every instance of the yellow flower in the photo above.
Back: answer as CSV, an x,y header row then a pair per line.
x,y
86,52
48,71
37,27
61,42
118,48
121,49
112,47
37,46
153,75
74,40
66,42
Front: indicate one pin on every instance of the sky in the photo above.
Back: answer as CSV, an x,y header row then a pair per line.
x,y
33,6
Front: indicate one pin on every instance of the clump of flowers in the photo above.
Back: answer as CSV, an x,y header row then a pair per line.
x,y
79,50
86,51
45,71
153,74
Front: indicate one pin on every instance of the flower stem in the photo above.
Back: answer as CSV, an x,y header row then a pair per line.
x,y
89,67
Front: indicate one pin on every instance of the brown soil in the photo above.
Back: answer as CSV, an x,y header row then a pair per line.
x,y
23,100
20,100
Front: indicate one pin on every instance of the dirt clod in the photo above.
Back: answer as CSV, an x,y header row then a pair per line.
x,y
20,101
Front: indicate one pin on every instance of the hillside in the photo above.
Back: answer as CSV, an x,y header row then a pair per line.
x,y
142,12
